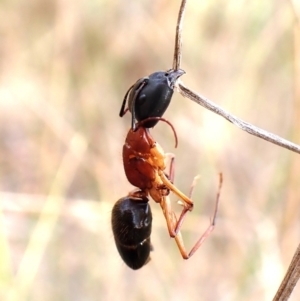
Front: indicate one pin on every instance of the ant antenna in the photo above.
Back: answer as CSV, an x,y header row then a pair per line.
x,y
140,123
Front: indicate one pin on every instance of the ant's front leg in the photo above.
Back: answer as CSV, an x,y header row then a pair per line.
x,y
169,215
166,203
171,157
168,182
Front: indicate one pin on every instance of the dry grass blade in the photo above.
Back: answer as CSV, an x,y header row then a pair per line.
x,y
178,43
290,280
245,126
293,273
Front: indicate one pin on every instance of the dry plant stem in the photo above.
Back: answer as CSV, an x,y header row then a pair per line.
x,y
290,280
177,50
251,129
293,273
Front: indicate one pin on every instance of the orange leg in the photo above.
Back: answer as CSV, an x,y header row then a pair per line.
x,y
171,157
185,209
188,203
174,225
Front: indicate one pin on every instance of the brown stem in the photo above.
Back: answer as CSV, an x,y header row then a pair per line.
x,y
245,126
290,280
178,43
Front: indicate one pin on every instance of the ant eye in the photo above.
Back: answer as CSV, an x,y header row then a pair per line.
x,y
166,74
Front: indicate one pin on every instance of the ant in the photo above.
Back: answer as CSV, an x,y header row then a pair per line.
x,y
150,97
144,164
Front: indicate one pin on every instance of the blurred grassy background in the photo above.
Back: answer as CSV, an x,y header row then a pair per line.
x,y
65,67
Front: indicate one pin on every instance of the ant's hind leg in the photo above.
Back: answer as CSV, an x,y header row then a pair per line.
x,y
185,210
210,228
174,225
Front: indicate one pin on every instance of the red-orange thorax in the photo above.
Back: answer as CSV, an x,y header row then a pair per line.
x,y
142,158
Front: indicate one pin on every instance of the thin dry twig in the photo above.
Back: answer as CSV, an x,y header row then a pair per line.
x,y
245,126
293,273
290,280
178,40
206,103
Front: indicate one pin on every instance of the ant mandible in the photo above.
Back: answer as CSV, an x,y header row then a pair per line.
x,y
144,164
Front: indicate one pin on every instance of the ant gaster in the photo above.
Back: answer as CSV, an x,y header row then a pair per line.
x,y
131,225
144,164
150,97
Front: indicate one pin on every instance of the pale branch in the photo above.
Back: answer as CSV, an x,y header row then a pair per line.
x,y
245,126
290,280
178,42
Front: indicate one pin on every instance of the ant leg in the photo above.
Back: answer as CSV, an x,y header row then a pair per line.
x,y
170,217
125,111
185,210
171,174
171,178
136,88
188,203
178,238
207,232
